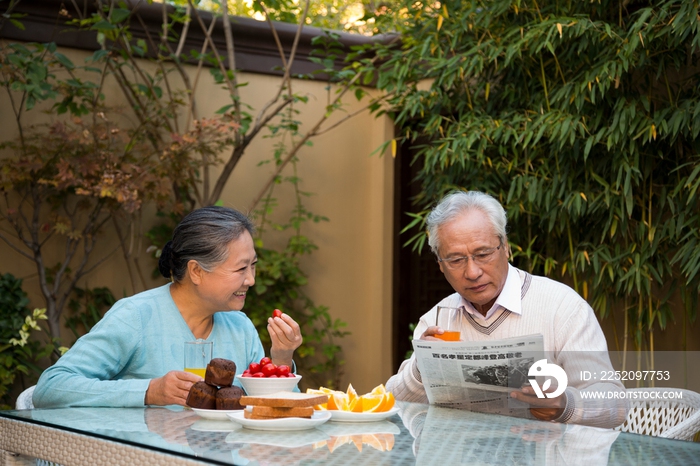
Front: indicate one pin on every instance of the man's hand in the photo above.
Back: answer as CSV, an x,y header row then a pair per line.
x,y
430,331
544,409
285,336
171,389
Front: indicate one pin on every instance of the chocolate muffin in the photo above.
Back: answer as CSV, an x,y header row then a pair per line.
x,y
229,398
220,372
202,395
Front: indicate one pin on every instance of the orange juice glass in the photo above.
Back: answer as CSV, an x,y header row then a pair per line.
x,y
449,336
197,356
199,372
449,319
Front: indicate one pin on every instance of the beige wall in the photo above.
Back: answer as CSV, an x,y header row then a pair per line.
x,y
350,272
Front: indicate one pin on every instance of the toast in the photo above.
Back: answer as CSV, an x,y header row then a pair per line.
x,y
265,412
284,400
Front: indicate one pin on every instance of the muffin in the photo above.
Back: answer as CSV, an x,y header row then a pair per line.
x,y
202,395
229,398
220,372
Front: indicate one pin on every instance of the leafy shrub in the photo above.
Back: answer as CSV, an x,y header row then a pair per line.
x,y
582,119
17,353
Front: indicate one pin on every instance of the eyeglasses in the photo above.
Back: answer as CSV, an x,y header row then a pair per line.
x,y
483,258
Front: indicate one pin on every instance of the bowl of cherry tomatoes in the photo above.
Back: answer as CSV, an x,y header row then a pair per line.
x,y
264,377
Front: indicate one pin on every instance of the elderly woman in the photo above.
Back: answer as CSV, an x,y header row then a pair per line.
x,y
134,355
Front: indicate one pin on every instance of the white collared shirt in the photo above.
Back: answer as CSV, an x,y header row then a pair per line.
x,y
509,298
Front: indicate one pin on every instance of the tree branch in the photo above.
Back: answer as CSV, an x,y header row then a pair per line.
x,y
303,140
287,65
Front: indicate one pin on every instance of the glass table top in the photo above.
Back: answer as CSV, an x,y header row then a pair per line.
x,y
418,434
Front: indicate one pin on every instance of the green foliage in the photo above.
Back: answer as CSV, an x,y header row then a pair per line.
x,y
13,304
582,118
72,175
18,354
278,285
91,165
328,14
279,282
411,328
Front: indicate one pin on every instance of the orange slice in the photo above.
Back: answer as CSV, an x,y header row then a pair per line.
x,y
355,405
352,394
367,403
338,401
321,407
378,390
386,404
327,391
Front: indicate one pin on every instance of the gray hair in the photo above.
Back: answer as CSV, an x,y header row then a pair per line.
x,y
203,235
458,202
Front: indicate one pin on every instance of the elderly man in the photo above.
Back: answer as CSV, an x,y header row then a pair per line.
x,y
467,233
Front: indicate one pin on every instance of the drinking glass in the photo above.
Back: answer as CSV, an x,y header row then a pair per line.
x,y
449,319
197,356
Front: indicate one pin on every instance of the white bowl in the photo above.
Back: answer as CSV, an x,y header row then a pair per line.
x,y
255,386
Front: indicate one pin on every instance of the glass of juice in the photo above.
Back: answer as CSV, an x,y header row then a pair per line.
x,y
197,356
449,319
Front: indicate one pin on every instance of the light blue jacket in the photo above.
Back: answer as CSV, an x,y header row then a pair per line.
x,y
140,338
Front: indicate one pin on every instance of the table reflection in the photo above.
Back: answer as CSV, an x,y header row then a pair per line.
x,y
450,436
419,434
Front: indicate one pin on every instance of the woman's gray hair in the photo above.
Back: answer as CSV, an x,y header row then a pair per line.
x,y
203,235
458,202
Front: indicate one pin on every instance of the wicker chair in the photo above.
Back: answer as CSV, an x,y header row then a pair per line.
x,y
677,418
24,400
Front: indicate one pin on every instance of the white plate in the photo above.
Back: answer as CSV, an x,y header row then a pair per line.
x,y
215,414
348,416
288,423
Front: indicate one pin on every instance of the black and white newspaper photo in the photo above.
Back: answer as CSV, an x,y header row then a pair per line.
x,y
477,375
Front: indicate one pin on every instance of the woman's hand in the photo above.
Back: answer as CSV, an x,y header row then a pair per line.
x,y
285,336
171,389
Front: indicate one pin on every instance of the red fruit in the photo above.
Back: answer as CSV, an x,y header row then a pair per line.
x,y
246,373
254,367
276,313
258,375
269,369
291,375
273,376
283,370
264,361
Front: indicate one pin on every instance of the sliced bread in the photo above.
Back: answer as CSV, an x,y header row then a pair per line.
x,y
254,412
284,400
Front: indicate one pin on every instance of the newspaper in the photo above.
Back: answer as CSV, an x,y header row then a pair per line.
x,y
477,375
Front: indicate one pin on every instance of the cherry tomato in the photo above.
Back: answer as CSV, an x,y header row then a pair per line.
x,y
246,373
254,367
283,370
269,369
273,376
258,375
276,313
264,361
291,375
